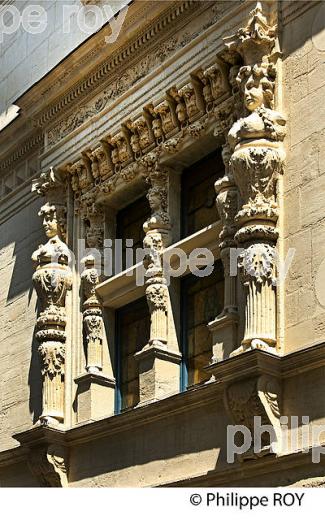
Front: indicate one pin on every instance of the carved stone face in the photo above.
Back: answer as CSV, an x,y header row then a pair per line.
x,y
93,237
50,223
254,95
154,201
156,127
74,183
115,156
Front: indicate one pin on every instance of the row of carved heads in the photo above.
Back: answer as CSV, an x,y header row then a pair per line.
x,y
158,122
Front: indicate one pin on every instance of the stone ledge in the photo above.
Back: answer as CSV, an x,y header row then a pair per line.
x,y
257,362
236,475
252,363
98,378
159,353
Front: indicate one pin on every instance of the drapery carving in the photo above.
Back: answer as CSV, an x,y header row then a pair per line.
x,y
52,280
256,161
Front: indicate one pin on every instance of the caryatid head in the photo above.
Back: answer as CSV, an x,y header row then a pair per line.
x,y
54,220
257,83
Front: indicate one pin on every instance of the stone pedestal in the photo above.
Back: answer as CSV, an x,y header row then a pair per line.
x,y
224,335
159,373
95,396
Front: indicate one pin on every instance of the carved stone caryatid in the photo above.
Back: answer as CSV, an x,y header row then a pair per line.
x,y
93,217
157,229
224,327
158,361
256,162
92,317
52,280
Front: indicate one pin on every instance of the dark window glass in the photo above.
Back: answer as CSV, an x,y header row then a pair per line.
x,y
129,225
133,332
198,194
202,301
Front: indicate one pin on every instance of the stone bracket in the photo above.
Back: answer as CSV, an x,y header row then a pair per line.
x,y
252,389
48,456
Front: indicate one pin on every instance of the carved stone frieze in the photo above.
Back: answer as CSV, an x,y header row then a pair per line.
x,y
121,81
161,128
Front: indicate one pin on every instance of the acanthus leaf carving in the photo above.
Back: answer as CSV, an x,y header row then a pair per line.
x,y
252,403
49,464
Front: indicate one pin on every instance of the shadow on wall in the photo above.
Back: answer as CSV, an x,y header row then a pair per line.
x,y
19,237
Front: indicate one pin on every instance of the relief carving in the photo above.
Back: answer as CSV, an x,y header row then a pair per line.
x,y
157,237
49,464
252,399
52,280
257,159
92,317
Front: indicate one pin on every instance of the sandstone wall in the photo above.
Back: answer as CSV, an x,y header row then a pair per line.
x,y
20,390
304,180
25,58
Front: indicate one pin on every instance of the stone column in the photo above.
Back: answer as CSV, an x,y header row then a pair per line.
x,y
159,366
95,394
224,327
257,159
52,280
92,317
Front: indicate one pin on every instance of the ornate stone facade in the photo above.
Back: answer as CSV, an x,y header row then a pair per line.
x,y
122,131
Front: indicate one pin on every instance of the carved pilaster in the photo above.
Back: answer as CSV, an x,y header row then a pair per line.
x,y
257,158
158,366
92,317
52,280
224,327
157,229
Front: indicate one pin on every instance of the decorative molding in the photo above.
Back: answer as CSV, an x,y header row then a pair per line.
x,y
120,158
291,10
32,143
122,55
134,71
